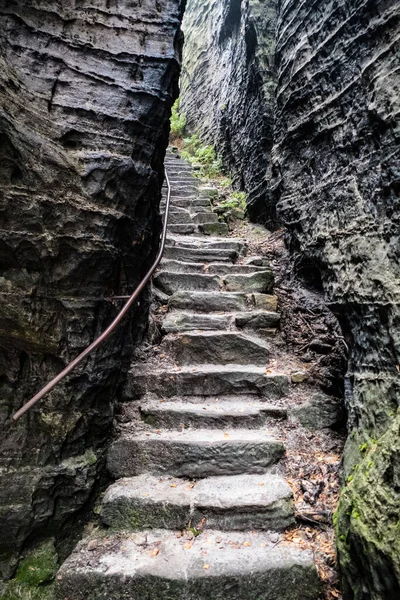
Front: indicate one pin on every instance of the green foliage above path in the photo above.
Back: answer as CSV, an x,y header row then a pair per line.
x,y
178,121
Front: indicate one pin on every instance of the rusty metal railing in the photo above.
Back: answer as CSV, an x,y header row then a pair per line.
x,y
111,327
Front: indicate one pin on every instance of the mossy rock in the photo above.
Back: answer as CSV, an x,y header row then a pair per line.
x,y
367,521
35,575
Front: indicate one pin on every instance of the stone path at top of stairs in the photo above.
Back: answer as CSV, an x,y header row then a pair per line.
x,y
198,502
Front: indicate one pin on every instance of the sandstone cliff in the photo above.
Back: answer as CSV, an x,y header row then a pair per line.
x,y
227,89
331,163
86,90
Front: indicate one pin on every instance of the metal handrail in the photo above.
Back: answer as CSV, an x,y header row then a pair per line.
x,y
111,327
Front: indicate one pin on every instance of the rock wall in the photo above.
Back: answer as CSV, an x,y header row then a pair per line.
x,y
227,88
86,90
331,163
336,170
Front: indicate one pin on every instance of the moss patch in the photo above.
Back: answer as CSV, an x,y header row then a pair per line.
x,y
35,575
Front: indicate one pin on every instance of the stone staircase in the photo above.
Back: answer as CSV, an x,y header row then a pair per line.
x,y
198,509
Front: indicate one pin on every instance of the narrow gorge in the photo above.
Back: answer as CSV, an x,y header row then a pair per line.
x,y
237,436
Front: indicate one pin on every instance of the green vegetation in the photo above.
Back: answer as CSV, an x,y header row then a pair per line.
x,y
209,168
178,121
203,156
35,575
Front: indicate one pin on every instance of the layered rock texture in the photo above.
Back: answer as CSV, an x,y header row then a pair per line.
x,y
86,90
335,184
227,89
336,167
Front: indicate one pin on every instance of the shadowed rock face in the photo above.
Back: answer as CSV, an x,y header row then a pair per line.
x,y
335,184
227,90
335,162
85,91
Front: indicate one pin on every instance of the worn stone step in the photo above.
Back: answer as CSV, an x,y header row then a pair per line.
x,y
189,203
261,282
209,413
176,321
195,254
179,217
215,228
214,268
193,453
183,192
215,347
169,283
185,228
202,217
257,320
202,242
210,301
234,503
208,380
163,564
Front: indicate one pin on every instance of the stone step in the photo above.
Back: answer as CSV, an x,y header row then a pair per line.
x,y
214,268
221,301
201,242
183,192
169,283
215,347
236,503
200,254
215,228
179,217
202,217
209,413
177,321
164,564
185,228
257,320
193,453
190,203
261,282
207,380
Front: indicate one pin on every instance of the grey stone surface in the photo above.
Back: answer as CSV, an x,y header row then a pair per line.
x,y
208,301
176,321
226,503
213,228
169,283
198,453
206,380
200,254
257,320
321,411
85,94
208,414
122,568
218,348
261,282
